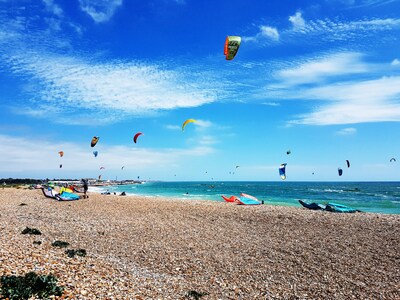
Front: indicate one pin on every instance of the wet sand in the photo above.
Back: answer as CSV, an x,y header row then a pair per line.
x,y
152,248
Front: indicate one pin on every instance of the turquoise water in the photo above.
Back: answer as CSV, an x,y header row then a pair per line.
x,y
378,197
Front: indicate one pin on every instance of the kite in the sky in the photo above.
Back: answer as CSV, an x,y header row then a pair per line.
x,y
101,168
282,171
187,122
122,167
95,153
136,136
340,171
232,44
60,166
288,152
392,159
94,141
61,153
348,163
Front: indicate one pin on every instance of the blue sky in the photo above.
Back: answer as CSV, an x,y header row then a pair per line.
x,y
321,78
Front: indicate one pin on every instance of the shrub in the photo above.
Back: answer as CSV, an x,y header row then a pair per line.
x,y
28,230
60,244
24,287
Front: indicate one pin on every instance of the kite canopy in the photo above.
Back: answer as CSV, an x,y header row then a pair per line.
x,y
95,153
61,153
187,122
340,171
288,152
94,141
392,159
136,136
282,171
232,44
348,163
101,168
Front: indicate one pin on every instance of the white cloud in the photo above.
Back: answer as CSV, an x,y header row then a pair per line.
x,y
271,103
321,68
357,102
366,3
270,32
100,10
395,62
297,21
54,8
265,32
343,98
347,131
25,156
111,89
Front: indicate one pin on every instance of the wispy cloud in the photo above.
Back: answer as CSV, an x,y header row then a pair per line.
x,y
395,62
318,70
366,3
117,87
372,96
347,131
77,158
297,21
100,10
271,103
265,32
321,31
53,7
89,87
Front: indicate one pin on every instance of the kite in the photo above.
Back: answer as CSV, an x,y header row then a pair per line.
x,y
237,167
392,159
102,168
232,44
348,163
122,167
187,122
95,139
288,152
99,177
95,153
282,171
60,166
61,153
136,136
340,171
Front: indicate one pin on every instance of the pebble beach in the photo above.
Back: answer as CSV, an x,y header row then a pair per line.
x,y
158,248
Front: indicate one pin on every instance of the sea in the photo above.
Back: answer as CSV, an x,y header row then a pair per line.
x,y
374,197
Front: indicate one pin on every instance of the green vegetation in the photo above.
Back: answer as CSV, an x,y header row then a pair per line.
x,y
24,287
28,230
195,295
71,252
60,244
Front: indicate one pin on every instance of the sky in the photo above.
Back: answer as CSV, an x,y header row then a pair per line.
x,y
318,78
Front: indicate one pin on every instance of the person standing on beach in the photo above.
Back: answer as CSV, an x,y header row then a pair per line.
x,y
85,188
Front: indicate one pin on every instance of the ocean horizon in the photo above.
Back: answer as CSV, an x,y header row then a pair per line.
x,y
374,197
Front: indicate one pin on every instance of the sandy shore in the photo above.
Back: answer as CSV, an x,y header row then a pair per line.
x,y
147,248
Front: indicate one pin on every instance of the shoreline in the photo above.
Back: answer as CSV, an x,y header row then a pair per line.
x,y
149,248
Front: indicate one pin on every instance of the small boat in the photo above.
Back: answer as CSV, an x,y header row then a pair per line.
x,y
313,206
